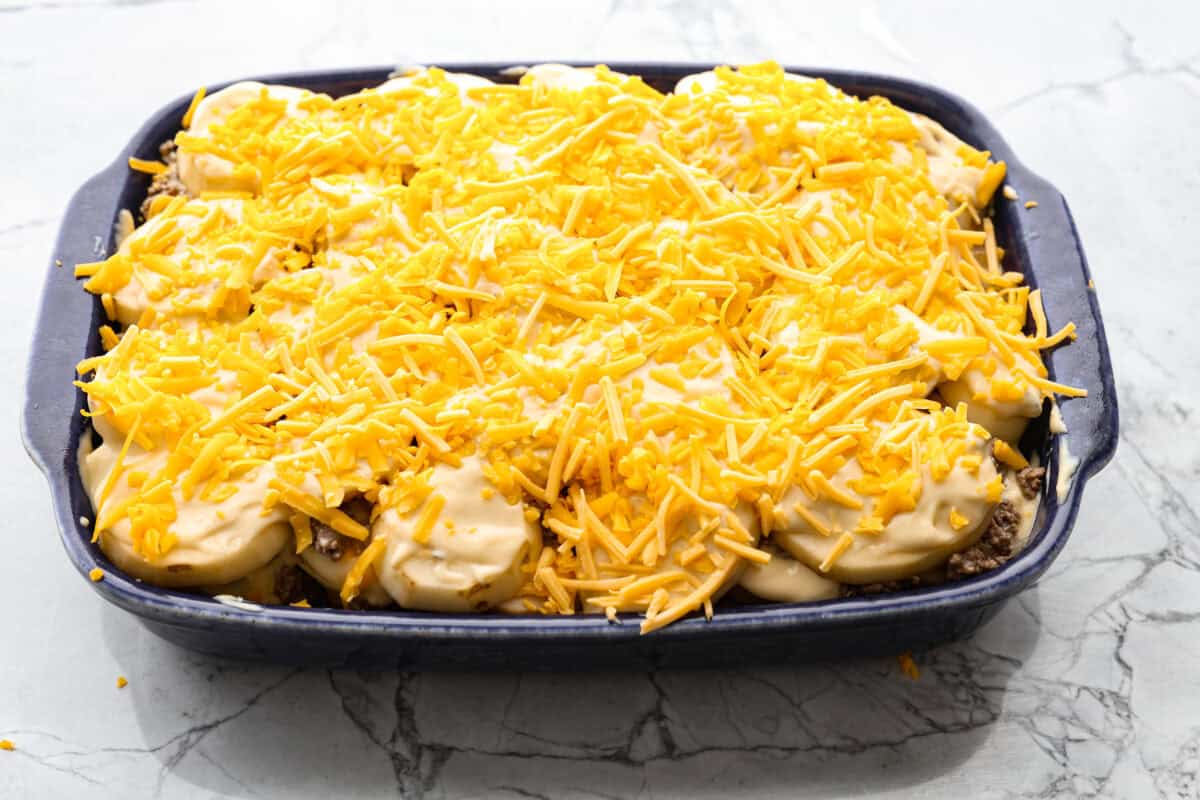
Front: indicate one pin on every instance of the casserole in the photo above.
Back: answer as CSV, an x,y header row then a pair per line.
x,y
419,639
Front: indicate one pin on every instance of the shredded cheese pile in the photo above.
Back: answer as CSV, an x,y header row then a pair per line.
x,y
648,316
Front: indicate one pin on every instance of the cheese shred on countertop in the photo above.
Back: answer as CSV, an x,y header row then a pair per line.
x,y
647,316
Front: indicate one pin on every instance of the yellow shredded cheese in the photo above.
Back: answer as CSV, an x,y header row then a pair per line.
x,y
186,122
957,520
644,313
844,543
1006,454
148,167
908,666
366,559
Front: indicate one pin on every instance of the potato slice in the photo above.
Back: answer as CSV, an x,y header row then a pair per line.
x,y
471,566
201,172
218,542
332,574
910,543
785,580
680,528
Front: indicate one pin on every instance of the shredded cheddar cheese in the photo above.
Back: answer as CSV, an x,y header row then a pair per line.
x,y
1008,455
191,109
908,666
149,167
648,315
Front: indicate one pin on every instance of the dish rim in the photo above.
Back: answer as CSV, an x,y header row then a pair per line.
x,y
1093,421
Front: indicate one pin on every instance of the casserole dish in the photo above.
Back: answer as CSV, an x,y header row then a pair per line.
x,y
1042,244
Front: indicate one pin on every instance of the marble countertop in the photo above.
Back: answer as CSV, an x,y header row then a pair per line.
x,y
1085,686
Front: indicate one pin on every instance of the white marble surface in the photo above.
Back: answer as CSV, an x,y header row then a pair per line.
x,y
1087,686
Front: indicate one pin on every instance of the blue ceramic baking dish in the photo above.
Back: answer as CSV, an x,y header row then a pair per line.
x,y
1042,244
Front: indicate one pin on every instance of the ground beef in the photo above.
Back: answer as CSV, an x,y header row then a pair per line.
x,y
293,584
289,583
334,545
1030,481
327,541
167,183
993,548
358,509
357,603
872,589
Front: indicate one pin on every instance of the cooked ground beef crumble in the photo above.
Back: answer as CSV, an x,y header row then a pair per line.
x,y
1030,481
993,549
167,183
873,589
334,545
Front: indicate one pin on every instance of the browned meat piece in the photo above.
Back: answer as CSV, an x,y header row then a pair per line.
x,y
1030,481
168,182
358,509
334,545
872,589
327,541
993,548
289,585
293,584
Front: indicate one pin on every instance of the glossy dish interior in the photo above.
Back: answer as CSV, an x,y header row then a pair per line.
x,y
1091,421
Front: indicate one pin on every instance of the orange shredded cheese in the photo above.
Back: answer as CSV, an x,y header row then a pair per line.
x,y
366,559
643,313
186,122
1007,455
908,666
148,167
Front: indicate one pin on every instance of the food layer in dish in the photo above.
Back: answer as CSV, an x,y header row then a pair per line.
x,y
571,345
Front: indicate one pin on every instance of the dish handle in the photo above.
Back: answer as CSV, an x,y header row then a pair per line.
x,y
1069,295
86,235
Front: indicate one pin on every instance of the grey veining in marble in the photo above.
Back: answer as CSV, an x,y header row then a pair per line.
x,y
1088,686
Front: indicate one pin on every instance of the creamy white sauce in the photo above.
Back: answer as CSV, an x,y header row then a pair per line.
x,y
785,580
236,602
1026,506
462,80
1057,424
1067,464
123,227
560,76
947,171
707,81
